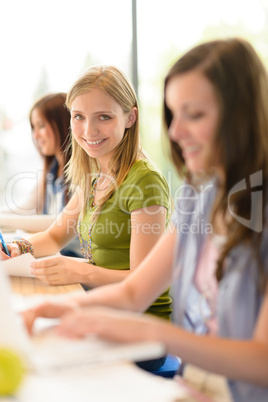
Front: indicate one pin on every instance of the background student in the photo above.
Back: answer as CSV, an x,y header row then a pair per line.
x,y
216,113
50,121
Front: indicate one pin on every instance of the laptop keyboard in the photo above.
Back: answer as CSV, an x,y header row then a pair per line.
x,y
56,353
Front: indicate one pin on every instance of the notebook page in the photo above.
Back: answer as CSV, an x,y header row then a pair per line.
x,y
20,266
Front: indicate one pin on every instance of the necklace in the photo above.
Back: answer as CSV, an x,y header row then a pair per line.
x,y
108,185
92,206
93,190
87,253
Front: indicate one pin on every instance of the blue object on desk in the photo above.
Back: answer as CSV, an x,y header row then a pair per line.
x,y
4,244
169,369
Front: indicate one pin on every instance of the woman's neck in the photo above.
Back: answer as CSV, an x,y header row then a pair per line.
x,y
104,167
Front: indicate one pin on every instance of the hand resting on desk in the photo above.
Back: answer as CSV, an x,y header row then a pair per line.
x,y
52,270
59,270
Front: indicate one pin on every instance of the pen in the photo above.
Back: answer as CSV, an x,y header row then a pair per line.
x,y
4,244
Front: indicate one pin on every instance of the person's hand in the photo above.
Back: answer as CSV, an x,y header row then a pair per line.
x,y
58,270
3,256
111,324
47,310
13,249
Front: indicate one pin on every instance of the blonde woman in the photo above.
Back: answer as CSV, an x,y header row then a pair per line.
x,y
121,200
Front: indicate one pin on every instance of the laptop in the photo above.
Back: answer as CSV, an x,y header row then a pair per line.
x,y
45,351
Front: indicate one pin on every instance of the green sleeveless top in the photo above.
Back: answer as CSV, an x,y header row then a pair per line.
x,y
144,186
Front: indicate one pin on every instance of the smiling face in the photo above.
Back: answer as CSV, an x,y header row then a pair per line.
x,y
43,134
98,124
193,103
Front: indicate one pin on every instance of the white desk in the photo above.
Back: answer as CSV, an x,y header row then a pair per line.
x,y
118,383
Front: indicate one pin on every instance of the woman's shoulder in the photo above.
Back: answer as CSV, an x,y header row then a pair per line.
x,y
144,169
144,186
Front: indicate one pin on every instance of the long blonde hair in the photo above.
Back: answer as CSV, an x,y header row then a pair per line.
x,y
81,167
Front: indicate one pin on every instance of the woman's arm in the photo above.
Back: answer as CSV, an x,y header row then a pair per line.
x,y
135,293
147,226
61,232
245,360
138,291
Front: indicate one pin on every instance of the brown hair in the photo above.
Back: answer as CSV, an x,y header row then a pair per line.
x,y
52,107
240,82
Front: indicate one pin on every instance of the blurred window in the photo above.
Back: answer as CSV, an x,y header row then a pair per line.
x,y
46,45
